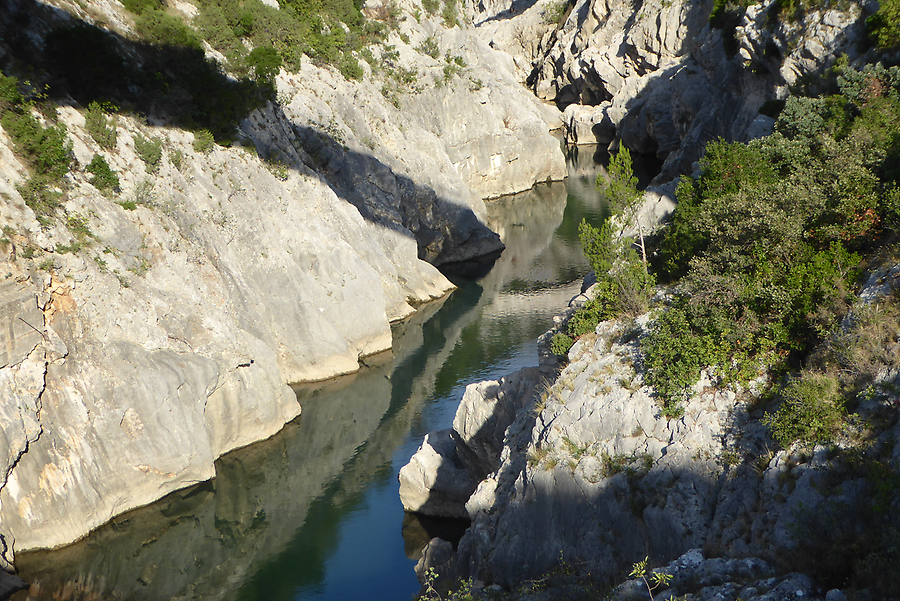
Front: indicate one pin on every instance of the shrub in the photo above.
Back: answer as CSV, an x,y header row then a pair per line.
x,y
560,344
40,198
203,141
349,67
98,126
812,411
47,149
431,6
675,354
884,26
450,14
430,47
157,27
104,179
265,63
139,7
150,151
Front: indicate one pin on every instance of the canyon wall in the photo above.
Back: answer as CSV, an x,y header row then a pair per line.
x,y
148,331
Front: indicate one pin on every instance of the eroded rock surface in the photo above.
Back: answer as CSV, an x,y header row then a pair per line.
x,y
443,473
665,80
600,478
168,336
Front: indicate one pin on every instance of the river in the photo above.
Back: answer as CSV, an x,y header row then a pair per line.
x,y
314,512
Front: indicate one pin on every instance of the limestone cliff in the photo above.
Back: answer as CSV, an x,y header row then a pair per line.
x,y
665,78
148,331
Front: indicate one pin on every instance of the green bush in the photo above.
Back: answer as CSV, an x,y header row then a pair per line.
x,y
104,178
884,26
265,63
139,7
349,67
812,411
430,47
158,27
560,344
675,354
47,149
150,151
450,14
99,126
203,141
40,198
431,6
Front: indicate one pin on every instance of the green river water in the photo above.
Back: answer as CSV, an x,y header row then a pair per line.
x,y
314,512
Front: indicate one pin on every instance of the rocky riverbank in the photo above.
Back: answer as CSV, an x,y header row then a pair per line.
x,y
152,328
589,477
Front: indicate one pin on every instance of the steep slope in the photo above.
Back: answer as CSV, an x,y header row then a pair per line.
x,y
152,327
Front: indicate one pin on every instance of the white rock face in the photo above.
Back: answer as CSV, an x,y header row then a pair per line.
x,y
443,473
169,339
658,76
435,482
602,477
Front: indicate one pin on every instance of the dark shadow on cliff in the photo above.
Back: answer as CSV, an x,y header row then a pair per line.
x,y
679,109
179,86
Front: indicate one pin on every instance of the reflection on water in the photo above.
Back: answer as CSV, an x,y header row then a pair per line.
x,y
314,512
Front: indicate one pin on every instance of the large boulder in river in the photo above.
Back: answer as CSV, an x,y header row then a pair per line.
x,y
443,473
486,411
435,482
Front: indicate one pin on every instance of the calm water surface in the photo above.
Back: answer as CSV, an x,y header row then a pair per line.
x,y
314,512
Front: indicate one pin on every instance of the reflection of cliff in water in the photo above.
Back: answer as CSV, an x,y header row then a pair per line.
x,y
270,525
206,541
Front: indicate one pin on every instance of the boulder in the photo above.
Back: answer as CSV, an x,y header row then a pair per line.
x,y
435,482
487,409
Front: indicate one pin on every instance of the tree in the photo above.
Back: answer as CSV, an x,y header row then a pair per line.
x,y
622,193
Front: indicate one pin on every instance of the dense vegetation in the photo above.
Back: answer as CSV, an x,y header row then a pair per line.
x,y
764,254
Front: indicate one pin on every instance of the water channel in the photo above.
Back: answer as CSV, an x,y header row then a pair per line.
x,y
314,513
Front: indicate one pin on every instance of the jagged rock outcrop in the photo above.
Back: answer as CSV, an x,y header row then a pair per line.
x,y
665,80
601,478
203,287
443,473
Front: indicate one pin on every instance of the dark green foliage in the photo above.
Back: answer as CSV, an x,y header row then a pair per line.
x,y
47,149
812,411
676,353
450,14
560,344
150,151
767,240
430,47
139,7
623,285
349,67
884,26
99,127
104,179
10,96
40,198
265,63
431,6
160,28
